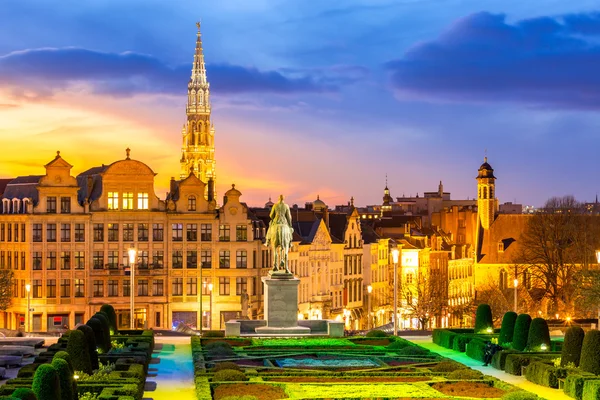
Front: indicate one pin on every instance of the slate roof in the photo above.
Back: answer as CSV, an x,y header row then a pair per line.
x,y
506,228
337,226
23,187
3,183
95,190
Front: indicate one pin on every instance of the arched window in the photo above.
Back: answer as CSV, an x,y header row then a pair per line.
x,y
192,203
16,206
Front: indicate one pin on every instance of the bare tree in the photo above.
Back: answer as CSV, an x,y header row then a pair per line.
x,y
554,247
426,297
6,286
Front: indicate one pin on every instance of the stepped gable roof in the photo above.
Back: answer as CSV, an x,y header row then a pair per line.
x,y
367,233
506,229
23,187
96,184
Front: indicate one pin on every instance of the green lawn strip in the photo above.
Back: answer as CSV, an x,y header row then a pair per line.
x,y
301,342
360,390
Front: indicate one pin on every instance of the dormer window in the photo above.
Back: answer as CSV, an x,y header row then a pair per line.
x,y
128,201
192,203
113,200
142,199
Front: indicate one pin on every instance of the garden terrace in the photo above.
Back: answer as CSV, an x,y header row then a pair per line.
x,y
322,368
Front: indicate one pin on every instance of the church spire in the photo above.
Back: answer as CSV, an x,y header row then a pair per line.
x,y
198,147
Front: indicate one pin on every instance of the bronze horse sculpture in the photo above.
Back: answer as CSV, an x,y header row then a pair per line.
x,y
279,236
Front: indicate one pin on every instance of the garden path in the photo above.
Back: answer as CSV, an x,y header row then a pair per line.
x,y
519,381
171,371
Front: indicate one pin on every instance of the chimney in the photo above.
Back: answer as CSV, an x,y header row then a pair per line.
x,y
211,189
172,185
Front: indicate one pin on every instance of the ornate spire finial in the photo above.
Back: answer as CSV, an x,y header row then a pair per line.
x,y
485,159
352,201
198,26
191,169
57,153
127,151
233,185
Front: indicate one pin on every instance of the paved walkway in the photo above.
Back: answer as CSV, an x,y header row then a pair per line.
x,y
519,381
171,371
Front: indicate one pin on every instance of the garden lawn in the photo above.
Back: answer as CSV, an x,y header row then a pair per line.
x,y
303,342
519,381
361,390
175,371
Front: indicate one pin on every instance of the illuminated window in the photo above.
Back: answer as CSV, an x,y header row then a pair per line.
x,y
142,201
192,203
113,200
128,201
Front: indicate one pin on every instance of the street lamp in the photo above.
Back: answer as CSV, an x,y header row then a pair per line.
x,y
210,288
369,290
395,254
516,282
28,290
132,255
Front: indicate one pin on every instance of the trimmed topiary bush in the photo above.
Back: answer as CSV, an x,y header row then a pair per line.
x,y
109,310
483,319
571,350
591,390
46,384
465,374
398,344
460,343
226,365
508,327
590,350
538,338
376,334
574,384
24,394
448,366
65,356
228,375
98,328
520,395
213,334
65,376
413,351
91,343
78,349
105,327
476,349
521,332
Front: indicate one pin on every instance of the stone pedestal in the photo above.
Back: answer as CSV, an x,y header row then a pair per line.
x,y
281,306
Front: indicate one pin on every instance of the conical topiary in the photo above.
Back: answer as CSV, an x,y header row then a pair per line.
x,y
46,384
590,361
91,342
65,376
508,327
521,332
538,338
483,319
65,356
112,317
105,327
571,350
78,349
97,327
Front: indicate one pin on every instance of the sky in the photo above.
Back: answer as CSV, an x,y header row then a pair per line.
x,y
313,97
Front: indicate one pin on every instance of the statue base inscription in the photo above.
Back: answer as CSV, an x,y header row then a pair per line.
x,y
281,305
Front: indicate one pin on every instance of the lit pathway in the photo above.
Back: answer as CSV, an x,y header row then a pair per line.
x,y
519,381
171,371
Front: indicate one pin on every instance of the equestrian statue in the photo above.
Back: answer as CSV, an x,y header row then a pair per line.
x,y
279,237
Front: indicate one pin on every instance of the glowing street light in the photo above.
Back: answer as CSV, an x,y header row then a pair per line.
x,y
395,254
369,290
132,256
28,290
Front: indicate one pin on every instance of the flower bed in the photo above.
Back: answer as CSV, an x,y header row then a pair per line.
x,y
468,389
261,391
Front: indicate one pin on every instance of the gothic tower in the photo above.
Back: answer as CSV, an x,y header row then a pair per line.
x,y
486,190
198,149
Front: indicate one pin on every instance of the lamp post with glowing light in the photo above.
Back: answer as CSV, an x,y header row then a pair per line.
x,y
369,290
395,254
132,255
598,259
210,288
28,290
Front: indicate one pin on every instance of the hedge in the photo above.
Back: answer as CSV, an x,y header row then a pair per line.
x,y
228,375
24,394
545,374
90,338
483,318
520,395
476,349
99,324
539,335
574,384
109,310
507,329
591,390
65,377
46,385
499,358
79,351
590,350
521,333
571,350
460,343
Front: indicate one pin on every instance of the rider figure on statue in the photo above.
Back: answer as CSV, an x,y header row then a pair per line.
x,y
279,236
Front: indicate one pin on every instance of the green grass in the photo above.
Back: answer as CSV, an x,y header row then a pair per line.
x,y
303,342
